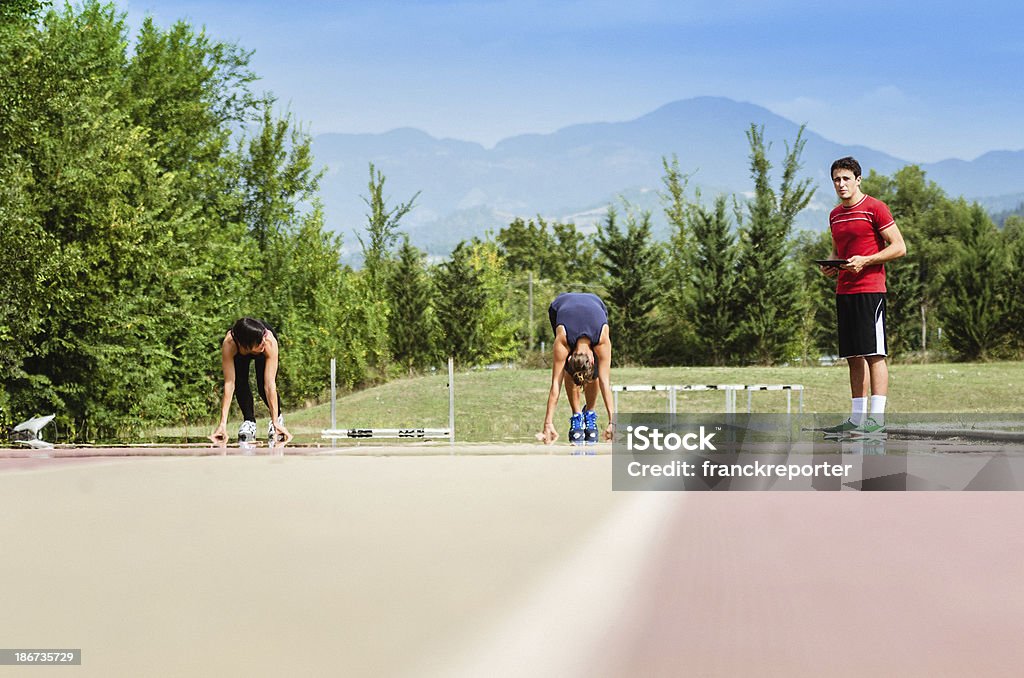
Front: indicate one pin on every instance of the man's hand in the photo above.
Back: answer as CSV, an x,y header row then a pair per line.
x,y
856,263
830,271
609,432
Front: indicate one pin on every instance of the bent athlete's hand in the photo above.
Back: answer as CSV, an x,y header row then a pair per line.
x,y
549,434
282,434
609,432
220,434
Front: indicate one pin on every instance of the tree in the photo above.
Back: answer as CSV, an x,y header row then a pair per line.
x,y
1013,243
973,308
816,330
548,262
472,310
578,260
20,11
381,227
413,326
926,218
528,247
677,336
87,197
135,230
716,310
632,265
460,298
767,281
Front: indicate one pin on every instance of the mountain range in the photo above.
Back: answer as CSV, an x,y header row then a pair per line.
x,y
573,174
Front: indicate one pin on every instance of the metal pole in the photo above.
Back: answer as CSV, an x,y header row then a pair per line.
x,y
451,401
334,395
531,310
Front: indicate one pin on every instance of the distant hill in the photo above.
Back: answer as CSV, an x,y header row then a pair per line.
x,y
575,172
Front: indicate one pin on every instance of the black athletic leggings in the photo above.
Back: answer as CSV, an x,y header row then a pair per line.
x,y
243,391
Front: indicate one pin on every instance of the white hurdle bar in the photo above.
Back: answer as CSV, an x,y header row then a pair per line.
x,y
729,389
386,433
405,433
673,389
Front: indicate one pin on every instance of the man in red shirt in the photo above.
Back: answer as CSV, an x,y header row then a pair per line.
x,y
865,235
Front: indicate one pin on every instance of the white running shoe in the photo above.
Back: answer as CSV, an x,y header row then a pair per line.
x,y
271,431
247,432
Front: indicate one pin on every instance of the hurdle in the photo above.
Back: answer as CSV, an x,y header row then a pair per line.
x,y
673,389
402,433
788,388
729,390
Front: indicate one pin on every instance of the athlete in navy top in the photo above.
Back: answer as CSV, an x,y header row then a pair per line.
x,y
581,313
582,359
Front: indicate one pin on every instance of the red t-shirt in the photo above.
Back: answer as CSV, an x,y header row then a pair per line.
x,y
857,229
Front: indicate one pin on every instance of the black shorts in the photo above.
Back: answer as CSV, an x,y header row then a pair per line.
x,y
861,320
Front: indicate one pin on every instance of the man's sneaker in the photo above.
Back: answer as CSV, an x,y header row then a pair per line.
x,y
577,429
840,429
871,428
590,424
271,431
247,432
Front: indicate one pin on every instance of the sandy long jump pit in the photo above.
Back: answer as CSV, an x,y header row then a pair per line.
x,y
492,561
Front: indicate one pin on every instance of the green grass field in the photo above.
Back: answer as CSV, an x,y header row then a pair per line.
x,y
508,404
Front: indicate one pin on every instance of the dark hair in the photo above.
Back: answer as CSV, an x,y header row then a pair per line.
x,y
580,367
248,332
847,163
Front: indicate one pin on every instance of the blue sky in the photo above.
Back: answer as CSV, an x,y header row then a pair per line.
x,y
922,81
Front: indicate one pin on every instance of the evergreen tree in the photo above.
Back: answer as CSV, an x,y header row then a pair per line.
x,y
676,332
632,265
816,331
472,305
768,283
1013,243
460,301
716,310
413,327
974,306
926,218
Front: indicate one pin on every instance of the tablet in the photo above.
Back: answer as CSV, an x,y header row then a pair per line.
x,y
831,263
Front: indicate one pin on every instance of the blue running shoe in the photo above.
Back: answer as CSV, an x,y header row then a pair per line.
x,y
577,431
590,421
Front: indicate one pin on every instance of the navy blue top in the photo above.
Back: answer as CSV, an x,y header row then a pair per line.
x,y
581,313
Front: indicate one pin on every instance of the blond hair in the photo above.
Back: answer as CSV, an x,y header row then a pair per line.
x,y
580,367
